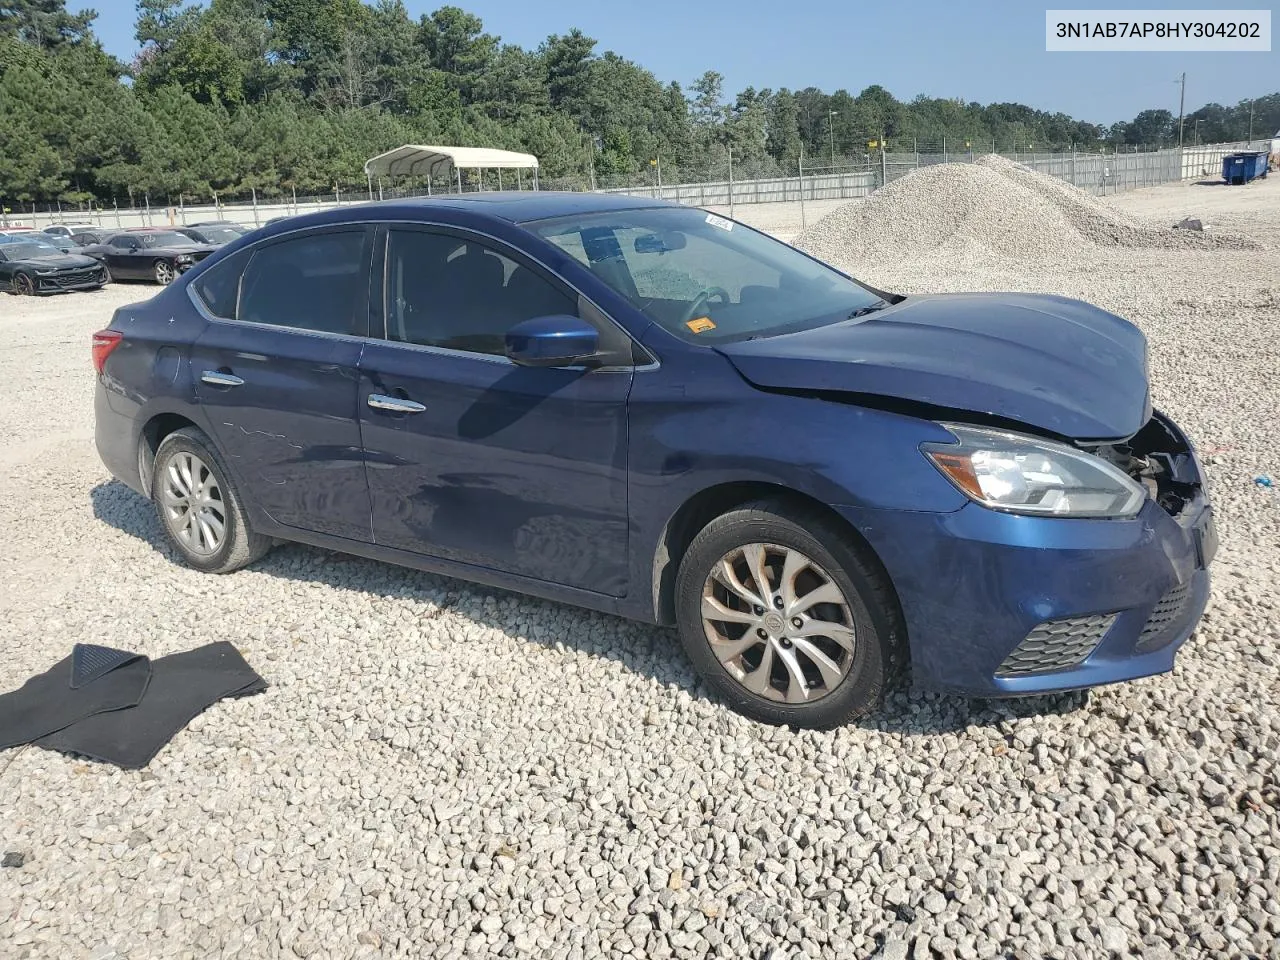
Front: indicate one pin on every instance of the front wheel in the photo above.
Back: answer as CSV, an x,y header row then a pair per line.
x,y
199,508
23,285
787,627
165,272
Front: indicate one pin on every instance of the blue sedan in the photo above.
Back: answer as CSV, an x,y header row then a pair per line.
x,y
657,412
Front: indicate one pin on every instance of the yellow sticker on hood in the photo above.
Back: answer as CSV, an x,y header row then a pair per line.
x,y
700,324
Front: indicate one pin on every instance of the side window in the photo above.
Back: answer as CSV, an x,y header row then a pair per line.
x,y
315,282
446,291
124,243
219,286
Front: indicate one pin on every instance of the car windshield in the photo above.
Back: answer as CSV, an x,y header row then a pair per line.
x,y
705,278
165,238
218,234
28,249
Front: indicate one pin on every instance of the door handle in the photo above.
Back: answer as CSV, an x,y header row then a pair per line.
x,y
218,379
379,401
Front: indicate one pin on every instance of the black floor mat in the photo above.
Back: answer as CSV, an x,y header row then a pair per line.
x,y
90,682
182,686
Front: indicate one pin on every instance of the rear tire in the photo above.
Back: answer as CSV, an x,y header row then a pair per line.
x,y
199,508
830,631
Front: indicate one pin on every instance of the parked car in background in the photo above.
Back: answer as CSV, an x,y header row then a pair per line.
x,y
650,410
148,254
68,229
65,244
34,265
88,238
212,234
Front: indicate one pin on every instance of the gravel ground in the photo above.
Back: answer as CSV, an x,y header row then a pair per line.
x,y
444,770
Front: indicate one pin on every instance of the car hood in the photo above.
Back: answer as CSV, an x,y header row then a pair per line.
x,y
59,261
1061,365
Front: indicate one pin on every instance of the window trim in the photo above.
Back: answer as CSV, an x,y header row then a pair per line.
x,y
642,358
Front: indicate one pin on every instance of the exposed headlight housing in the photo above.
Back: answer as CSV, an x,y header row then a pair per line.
x,y
184,258
1024,474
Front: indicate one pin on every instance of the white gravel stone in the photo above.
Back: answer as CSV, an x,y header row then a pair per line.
x,y
444,770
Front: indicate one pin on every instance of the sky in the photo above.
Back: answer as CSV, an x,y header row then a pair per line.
x,y
984,51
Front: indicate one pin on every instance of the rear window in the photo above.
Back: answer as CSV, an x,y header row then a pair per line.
x,y
219,286
313,282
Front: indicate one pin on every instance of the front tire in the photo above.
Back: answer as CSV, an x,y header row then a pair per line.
x,y
199,508
165,272
789,628
23,285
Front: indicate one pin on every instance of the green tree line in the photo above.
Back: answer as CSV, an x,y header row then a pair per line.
x,y
293,95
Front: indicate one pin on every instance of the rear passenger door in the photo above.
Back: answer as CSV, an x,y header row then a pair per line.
x,y
475,459
276,374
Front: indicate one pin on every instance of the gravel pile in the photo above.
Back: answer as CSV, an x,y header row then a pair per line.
x,y
449,771
993,207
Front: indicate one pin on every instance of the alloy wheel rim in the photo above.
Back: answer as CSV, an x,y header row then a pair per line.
x,y
193,505
23,285
164,272
778,623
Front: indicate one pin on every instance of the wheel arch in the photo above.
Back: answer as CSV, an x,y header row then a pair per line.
x,y
707,504
152,435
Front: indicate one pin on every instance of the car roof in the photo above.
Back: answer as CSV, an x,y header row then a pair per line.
x,y
522,206
513,207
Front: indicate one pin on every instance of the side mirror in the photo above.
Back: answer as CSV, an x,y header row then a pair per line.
x,y
555,341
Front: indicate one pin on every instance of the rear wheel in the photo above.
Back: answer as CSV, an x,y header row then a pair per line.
x,y
23,285
787,627
199,508
164,272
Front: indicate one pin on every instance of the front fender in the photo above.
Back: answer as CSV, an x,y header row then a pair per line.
x,y
696,424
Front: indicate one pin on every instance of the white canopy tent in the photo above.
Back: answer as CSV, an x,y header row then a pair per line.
x,y
418,160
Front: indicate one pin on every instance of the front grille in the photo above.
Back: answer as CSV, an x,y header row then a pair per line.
x,y
1056,645
1164,618
72,278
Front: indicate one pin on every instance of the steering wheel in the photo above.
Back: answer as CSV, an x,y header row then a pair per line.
x,y
697,308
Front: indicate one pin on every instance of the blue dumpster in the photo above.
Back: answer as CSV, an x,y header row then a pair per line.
x,y
1243,167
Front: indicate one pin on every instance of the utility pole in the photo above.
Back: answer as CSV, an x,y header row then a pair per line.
x,y
730,149
1250,120
831,126
1182,102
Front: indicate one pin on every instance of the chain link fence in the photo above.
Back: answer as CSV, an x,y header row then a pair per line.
x,y
852,177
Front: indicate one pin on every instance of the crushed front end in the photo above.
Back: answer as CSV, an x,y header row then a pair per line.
x,y
1000,604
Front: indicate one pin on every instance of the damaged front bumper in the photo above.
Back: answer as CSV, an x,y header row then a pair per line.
x,y
998,604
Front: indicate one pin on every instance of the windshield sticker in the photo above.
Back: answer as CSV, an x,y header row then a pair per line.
x,y
720,222
700,324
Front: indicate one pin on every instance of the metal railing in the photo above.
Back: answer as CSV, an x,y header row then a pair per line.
x,y
1098,173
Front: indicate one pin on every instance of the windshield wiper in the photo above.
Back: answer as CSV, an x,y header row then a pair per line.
x,y
870,308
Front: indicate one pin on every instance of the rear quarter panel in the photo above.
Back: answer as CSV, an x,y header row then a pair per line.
x,y
147,374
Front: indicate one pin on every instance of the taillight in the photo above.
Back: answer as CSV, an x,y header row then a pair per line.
x,y
104,341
